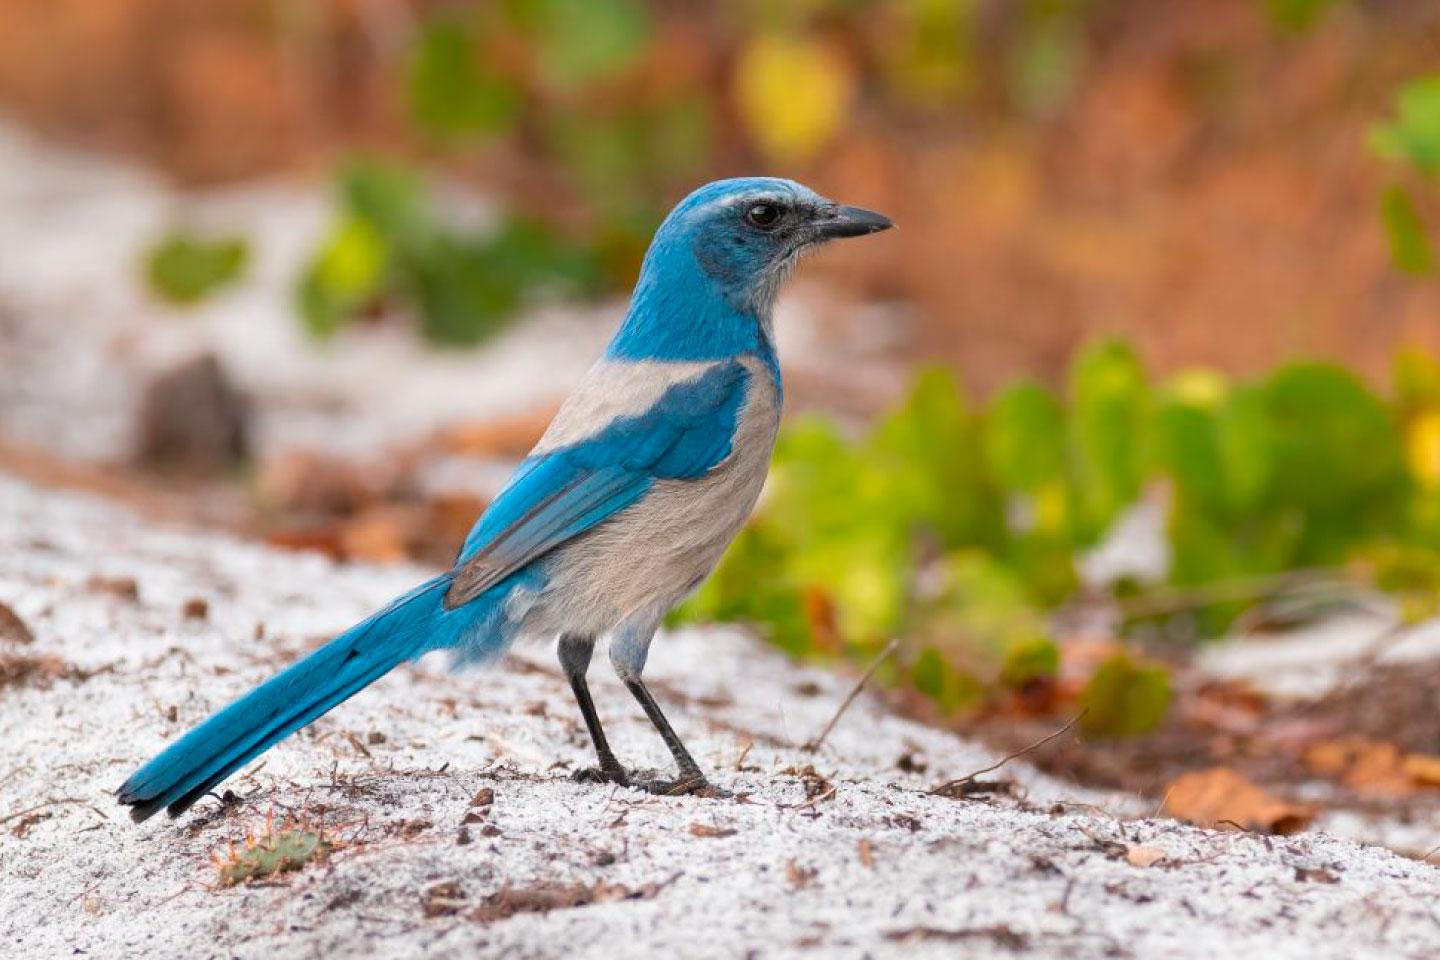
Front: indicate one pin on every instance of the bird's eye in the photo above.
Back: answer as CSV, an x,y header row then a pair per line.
x,y
763,215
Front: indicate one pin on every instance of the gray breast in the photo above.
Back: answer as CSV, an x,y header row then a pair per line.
x,y
648,557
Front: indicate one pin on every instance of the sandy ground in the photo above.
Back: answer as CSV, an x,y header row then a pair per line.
x,y
854,859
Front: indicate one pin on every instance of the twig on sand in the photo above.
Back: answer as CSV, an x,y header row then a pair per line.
x,y
75,801
955,787
813,744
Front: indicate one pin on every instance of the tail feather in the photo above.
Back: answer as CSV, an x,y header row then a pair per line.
x,y
205,756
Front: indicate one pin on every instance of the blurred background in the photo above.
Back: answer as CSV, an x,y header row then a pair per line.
x,y
1149,362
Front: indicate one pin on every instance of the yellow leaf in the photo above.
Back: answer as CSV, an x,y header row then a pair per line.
x,y
1200,387
1423,447
792,94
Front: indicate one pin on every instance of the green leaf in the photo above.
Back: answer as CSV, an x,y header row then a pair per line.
x,y
1109,434
1125,698
1414,134
183,269
1334,444
1031,661
582,41
344,276
1296,16
450,93
865,574
982,615
949,689
926,454
389,197
1417,380
1024,438
1409,246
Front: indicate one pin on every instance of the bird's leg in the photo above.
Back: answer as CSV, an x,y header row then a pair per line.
x,y
575,653
692,778
628,656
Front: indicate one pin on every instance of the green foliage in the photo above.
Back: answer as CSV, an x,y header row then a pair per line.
x,y
1124,698
1412,139
1413,136
1024,438
1108,432
1417,382
450,90
1409,246
938,490
1296,16
389,245
1035,660
582,41
184,268
958,530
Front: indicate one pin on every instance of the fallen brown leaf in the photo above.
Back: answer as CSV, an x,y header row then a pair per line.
x,y
443,899
16,671
12,628
800,877
1422,768
380,534
125,588
1138,856
1220,796
510,436
1364,765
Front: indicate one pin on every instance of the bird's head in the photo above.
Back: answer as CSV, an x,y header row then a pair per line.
x,y
731,244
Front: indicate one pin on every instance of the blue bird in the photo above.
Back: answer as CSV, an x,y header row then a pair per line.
x,y
623,508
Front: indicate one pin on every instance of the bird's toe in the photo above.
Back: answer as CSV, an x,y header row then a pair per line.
x,y
607,774
693,785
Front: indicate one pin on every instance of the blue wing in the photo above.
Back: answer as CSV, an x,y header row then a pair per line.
x,y
562,493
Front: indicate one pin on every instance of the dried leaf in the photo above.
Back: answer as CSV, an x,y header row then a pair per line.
x,y
380,534
1422,768
508,436
12,628
1222,797
800,877
1366,766
706,830
443,900
1138,856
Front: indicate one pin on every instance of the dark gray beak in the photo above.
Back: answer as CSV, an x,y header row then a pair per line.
x,y
850,222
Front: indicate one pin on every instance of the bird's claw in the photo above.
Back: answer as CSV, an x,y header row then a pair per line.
x,y
693,785
615,774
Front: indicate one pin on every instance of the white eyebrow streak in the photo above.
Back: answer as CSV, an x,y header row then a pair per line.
x,y
782,198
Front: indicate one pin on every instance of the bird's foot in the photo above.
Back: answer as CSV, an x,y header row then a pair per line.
x,y
602,774
693,785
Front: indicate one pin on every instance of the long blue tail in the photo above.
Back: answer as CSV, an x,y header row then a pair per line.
x,y
411,625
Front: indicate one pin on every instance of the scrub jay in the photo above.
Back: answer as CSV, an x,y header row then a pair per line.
x,y
623,508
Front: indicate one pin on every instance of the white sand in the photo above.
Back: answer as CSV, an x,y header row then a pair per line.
x,y
945,878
